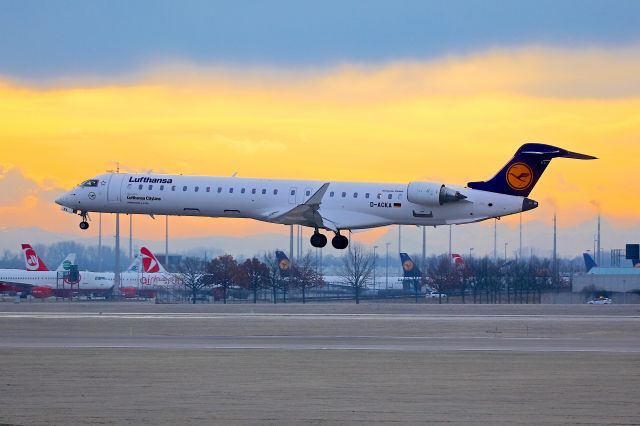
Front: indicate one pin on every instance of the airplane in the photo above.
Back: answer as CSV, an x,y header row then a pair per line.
x,y
592,267
321,205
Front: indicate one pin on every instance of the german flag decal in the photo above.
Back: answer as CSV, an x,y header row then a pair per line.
x,y
397,205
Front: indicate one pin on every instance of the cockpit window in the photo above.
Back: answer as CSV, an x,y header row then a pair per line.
x,y
90,183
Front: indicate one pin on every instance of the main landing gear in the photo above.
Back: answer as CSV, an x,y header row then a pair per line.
x,y
339,242
84,224
318,240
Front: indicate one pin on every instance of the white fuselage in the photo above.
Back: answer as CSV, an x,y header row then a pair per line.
x,y
344,205
89,281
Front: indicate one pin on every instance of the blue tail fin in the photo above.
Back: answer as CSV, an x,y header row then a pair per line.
x,y
589,263
520,174
283,263
409,268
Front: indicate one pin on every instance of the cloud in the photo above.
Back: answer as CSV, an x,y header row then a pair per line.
x,y
456,119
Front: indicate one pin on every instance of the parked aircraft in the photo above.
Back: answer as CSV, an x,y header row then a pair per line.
x,y
593,268
322,205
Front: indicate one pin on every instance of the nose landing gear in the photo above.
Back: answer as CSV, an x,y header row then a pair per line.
x,y
84,224
340,242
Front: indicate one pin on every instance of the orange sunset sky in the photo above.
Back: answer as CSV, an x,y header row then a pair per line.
x,y
451,118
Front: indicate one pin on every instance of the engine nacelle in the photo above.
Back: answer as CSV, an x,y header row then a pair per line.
x,y
432,194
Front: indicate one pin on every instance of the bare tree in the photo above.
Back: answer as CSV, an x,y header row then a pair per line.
x,y
357,268
442,275
224,270
273,278
191,273
304,275
253,275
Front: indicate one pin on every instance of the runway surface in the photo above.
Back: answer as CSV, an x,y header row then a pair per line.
x,y
319,364
365,333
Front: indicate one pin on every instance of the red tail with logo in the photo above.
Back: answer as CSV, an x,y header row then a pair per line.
x,y
31,259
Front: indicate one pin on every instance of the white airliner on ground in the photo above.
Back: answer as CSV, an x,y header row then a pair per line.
x,y
144,276
333,206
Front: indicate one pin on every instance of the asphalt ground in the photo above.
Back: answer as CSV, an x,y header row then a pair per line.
x,y
137,363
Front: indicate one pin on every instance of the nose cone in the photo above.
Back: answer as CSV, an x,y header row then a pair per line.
x,y
64,200
529,204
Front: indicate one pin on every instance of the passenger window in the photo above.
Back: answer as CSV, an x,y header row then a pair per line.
x,y
307,193
219,189
184,188
390,196
366,195
355,195
293,192
173,187
264,191
331,194
129,186
196,189
230,190
344,194
161,187
242,191
379,196
253,191
140,187
275,192
150,187
208,189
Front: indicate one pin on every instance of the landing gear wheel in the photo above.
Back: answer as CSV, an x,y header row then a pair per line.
x,y
340,242
84,225
318,240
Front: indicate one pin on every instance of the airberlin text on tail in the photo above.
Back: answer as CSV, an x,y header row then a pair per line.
x,y
520,174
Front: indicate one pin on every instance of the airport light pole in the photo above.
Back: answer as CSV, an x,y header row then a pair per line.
x,y
166,242
99,242
520,246
131,236
450,241
386,279
505,251
117,260
424,249
495,240
470,250
374,266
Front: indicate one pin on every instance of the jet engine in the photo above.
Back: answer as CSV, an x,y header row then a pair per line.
x,y
432,194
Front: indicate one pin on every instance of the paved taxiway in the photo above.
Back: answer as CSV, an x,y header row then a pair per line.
x,y
319,364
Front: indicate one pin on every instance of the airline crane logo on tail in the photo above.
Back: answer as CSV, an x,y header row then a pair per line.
x,y
284,264
407,265
519,176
